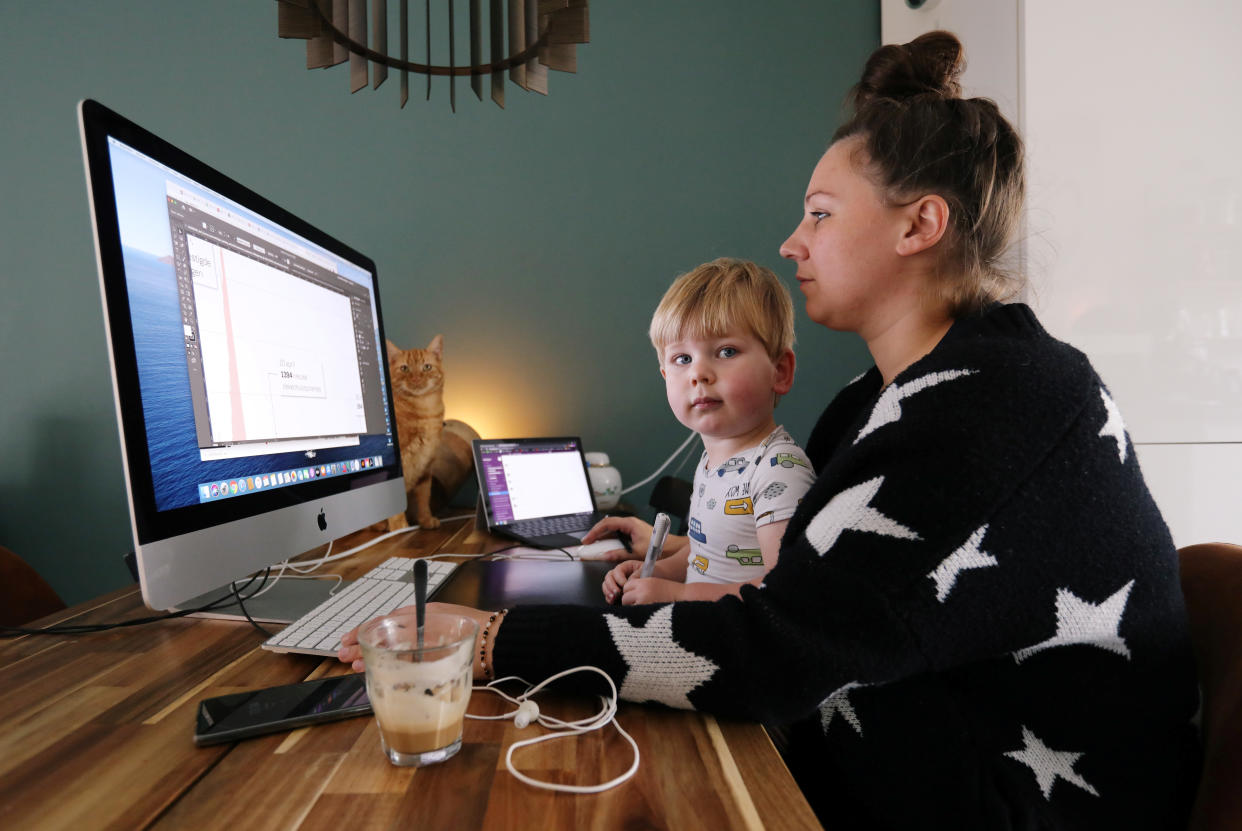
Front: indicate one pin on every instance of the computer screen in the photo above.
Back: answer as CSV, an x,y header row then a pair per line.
x,y
248,362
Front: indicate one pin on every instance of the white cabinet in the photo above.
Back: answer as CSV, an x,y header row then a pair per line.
x,y
1133,235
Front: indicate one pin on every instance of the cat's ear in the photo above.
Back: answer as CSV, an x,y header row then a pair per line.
x,y
393,351
437,346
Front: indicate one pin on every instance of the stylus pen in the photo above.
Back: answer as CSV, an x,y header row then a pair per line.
x,y
659,531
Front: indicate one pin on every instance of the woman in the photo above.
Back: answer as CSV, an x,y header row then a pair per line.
x,y
975,620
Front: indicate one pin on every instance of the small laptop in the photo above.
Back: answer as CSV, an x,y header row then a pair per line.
x,y
535,490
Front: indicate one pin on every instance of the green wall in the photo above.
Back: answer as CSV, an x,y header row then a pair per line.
x,y
537,239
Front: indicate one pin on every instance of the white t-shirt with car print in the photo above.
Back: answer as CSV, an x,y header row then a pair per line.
x,y
730,502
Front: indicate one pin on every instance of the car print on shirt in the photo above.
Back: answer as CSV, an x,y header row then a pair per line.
x,y
737,464
787,460
696,530
745,556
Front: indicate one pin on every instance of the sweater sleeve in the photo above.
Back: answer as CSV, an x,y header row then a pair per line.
x,y
950,525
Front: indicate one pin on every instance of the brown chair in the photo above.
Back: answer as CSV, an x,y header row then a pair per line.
x,y
1212,584
24,595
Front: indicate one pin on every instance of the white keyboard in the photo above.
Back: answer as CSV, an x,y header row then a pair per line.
x,y
388,586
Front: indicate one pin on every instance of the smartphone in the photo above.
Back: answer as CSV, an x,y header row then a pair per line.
x,y
228,718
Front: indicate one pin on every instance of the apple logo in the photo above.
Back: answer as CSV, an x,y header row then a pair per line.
x,y
323,521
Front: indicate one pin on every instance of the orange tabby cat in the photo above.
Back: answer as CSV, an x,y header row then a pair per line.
x,y
418,399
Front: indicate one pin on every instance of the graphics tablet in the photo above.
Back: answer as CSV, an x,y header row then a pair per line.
x,y
502,584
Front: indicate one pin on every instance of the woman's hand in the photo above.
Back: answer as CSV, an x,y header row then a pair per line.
x,y
633,528
615,580
350,653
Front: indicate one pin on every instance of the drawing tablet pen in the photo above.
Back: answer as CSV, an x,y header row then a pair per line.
x,y
658,532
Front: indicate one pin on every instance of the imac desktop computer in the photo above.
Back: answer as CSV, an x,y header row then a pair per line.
x,y
250,372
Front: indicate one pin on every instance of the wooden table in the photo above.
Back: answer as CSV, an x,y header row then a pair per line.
x,y
96,733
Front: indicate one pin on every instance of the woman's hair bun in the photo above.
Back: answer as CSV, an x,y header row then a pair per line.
x,y
929,64
916,135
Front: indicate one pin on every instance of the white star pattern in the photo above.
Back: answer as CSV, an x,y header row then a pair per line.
x,y
1079,621
839,702
1114,427
1048,764
658,669
851,509
970,555
888,408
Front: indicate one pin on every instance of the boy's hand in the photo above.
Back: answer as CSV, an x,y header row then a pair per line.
x,y
651,590
615,580
638,532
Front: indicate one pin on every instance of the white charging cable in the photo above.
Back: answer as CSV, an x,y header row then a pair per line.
x,y
528,713
308,566
661,468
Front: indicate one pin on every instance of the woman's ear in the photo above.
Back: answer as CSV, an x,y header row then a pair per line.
x,y
928,220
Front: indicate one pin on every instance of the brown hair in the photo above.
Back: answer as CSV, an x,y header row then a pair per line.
x,y
726,294
920,137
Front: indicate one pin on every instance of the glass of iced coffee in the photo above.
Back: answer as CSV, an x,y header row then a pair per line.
x,y
419,693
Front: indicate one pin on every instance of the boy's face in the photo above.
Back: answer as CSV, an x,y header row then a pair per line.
x,y
726,386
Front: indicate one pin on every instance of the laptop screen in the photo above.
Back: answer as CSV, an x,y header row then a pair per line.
x,y
525,479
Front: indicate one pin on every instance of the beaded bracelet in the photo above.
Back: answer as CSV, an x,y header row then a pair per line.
x,y
488,673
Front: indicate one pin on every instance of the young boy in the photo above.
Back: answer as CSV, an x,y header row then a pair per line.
x,y
724,336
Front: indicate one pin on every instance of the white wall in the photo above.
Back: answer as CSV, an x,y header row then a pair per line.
x,y
1134,226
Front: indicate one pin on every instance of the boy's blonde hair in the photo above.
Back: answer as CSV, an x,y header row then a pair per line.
x,y
723,295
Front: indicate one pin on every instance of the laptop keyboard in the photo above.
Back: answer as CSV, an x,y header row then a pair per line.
x,y
388,586
545,526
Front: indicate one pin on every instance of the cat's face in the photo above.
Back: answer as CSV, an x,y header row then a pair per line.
x,y
417,371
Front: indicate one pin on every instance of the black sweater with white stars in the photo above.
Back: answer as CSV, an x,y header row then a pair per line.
x,y
975,620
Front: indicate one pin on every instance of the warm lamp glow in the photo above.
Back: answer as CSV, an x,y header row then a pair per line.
x,y
492,416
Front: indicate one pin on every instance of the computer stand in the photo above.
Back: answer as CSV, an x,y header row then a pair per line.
x,y
284,602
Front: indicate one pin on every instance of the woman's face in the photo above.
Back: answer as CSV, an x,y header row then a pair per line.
x,y
845,247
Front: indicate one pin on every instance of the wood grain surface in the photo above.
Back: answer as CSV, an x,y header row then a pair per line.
x,y
97,733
